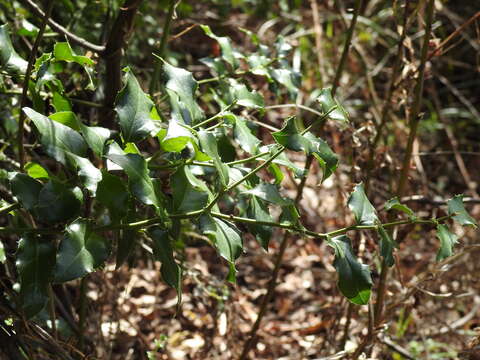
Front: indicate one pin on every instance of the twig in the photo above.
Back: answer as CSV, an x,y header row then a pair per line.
x,y
26,81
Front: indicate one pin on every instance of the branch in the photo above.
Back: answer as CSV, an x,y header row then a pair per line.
x,y
59,28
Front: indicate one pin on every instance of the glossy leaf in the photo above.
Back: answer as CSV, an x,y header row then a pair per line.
x,y
163,252
245,139
447,242
208,143
133,107
455,206
363,210
387,244
140,182
67,118
177,137
113,193
95,136
327,102
258,210
189,193
35,262
36,171
26,189
395,204
10,61
3,257
225,235
181,87
270,193
63,52
89,175
354,280
80,252
326,158
288,78
244,97
58,203
228,53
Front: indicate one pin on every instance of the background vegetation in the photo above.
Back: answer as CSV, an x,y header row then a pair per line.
x,y
239,179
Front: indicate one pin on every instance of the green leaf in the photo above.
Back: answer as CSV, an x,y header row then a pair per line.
x,y
455,206
275,170
127,239
290,215
327,102
67,118
208,143
270,193
177,137
189,193
245,139
225,235
244,97
63,52
163,252
288,78
95,136
326,158
10,61
181,87
387,244
3,257
258,210
363,210
283,160
228,53
113,193
141,185
80,252
447,242
35,262
354,280
36,171
58,203
25,189
290,137
395,204
89,175
133,107
60,102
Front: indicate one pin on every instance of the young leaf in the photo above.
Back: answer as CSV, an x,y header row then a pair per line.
x,y
394,203
163,252
258,210
80,252
225,235
36,171
177,137
228,53
245,139
327,102
354,280
270,193
209,147
140,182
387,244
25,189
63,52
58,203
363,210
189,193
181,87
447,242
10,61
66,118
133,107
455,206
35,262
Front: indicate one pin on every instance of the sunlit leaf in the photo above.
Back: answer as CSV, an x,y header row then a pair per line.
x,y
36,171
10,61
395,204
455,206
270,193
228,53
246,140
208,143
177,137
327,102
189,193
363,210
447,242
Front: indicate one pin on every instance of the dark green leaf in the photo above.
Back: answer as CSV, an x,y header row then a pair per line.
x,y
326,158
327,102
88,174
387,244
140,182
354,280
95,136
363,210
395,204
112,193
189,193
58,203
288,78
133,107
181,87
455,206
10,61
225,235
80,252
163,252
177,137
2,254
35,262
447,242
258,210
228,53
25,189
245,97
270,193
290,215
245,139
283,160
208,143
290,137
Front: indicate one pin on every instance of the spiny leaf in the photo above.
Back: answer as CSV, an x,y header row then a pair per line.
x,y
258,210
245,139
189,193
394,203
447,242
95,136
270,193
63,52
354,280
455,206
208,143
327,102
363,210
177,137
80,252
228,53
113,193
35,262
133,107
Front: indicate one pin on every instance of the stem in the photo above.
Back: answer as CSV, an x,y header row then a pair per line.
x,y
215,117
26,81
8,208
162,47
